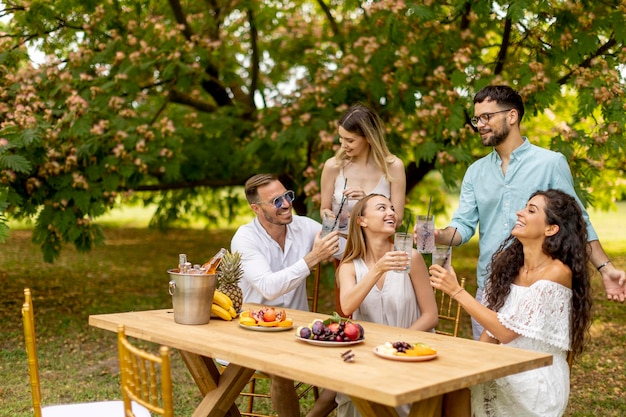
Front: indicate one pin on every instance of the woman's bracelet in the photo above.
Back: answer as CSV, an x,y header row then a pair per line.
x,y
603,264
457,293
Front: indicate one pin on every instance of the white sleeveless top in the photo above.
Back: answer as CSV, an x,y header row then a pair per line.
x,y
394,305
383,187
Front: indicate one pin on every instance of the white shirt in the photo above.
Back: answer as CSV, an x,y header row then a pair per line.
x,y
271,276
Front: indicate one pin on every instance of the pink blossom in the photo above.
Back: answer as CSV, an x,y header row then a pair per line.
x,y
311,188
118,150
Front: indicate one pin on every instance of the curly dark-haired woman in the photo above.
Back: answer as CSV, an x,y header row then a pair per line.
x,y
538,298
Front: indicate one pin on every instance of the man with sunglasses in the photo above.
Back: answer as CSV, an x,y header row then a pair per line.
x,y
496,186
278,251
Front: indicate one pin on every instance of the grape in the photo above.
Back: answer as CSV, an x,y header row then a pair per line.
x,y
401,346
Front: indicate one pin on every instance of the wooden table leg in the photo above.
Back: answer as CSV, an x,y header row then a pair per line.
x,y
370,409
220,391
430,407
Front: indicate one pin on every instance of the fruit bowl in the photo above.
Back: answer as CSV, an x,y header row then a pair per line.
x,y
265,318
337,331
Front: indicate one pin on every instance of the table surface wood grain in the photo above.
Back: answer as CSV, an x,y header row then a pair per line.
x,y
459,363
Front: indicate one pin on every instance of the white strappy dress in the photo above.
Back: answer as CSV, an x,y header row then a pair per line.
x,y
383,187
395,304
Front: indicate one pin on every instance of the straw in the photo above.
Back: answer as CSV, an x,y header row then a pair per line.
x,y
445,260
426,233
408,221
343,200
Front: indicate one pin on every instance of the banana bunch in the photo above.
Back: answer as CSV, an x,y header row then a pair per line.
x,y
222,306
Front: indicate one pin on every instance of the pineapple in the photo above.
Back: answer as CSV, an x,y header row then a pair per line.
x,y
228,277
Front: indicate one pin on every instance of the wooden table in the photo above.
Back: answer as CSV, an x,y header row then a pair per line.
x,y
375,384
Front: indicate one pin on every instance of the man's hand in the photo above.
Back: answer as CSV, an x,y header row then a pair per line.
x,y
614,281
323,248
447,236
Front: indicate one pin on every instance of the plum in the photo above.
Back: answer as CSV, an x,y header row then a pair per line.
x,y
305,333
318,327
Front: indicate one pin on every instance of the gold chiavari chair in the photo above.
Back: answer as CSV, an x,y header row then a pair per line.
x,y
91,409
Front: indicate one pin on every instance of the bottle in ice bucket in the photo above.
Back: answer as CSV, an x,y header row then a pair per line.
x,y
182,260
211,266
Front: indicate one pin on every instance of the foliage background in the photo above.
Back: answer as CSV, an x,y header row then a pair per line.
x,y
175,102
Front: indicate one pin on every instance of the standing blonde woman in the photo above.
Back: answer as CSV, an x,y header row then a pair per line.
x,y
363,165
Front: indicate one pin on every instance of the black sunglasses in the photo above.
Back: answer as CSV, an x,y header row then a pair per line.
x,y
278,201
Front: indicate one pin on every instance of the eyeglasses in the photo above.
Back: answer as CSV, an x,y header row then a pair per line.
x,y
484,118
278,201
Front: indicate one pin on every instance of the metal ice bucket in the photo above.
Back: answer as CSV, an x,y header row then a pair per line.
x,y
192,296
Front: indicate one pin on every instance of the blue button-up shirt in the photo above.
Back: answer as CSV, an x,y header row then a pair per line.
x,y
491,199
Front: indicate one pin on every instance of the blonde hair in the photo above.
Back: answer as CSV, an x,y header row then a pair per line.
x,y
363,121
356,246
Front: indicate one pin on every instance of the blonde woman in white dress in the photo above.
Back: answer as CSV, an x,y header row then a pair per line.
x,y
362,165
373,283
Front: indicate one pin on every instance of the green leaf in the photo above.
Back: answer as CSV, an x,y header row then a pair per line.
x,y
17,163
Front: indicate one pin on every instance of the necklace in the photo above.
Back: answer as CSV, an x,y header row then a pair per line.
x,y
527,270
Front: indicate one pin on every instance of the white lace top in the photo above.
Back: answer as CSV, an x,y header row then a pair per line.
x,y
540,314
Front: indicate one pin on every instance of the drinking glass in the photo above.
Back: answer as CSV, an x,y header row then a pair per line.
x,y
404,242
443,256
329,223
425,230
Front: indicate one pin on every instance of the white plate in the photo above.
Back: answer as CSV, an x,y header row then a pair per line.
x,y
328,343
266,328
403,358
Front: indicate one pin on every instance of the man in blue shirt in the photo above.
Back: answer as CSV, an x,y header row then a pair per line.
x,y
496,186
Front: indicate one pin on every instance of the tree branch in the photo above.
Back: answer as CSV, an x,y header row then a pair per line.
x,y
181,98
212,85
331,20
254,62
180,17
504,46
587,62
212,183
465,20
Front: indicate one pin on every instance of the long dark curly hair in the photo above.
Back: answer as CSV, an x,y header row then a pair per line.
x,y
569,245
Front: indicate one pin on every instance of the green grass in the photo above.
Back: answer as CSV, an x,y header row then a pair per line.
x,y
79,363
